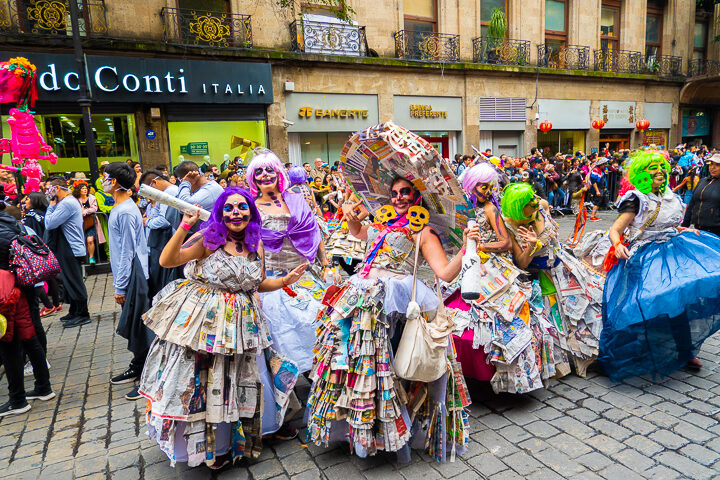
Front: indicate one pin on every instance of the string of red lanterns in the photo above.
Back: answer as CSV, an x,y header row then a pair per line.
x,y
545,126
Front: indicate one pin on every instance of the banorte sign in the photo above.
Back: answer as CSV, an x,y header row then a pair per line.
x,y
309,112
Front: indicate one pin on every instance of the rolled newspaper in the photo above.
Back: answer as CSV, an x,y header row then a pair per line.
x,y
472,270
166,199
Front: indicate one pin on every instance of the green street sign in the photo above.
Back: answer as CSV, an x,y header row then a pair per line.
x,y
195,148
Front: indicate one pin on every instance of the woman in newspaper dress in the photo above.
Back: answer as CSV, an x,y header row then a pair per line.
x,y
291,237
489,320
662,299
355,395
566,296
212,367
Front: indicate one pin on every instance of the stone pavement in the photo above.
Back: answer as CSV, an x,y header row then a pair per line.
x,y
578,428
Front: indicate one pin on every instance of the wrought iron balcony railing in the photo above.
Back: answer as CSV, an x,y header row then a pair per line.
x,y
501,51
663,65
566,57
187,26
698,68
52,17
427,46
328,38
618,61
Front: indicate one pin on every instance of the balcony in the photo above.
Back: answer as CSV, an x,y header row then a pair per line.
x,y
663,65
186,26
52,18
566,57
501,51
328,38
697,68
618,61
427,46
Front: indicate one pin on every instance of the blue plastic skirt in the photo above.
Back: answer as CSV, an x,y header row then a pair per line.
x,y
660,305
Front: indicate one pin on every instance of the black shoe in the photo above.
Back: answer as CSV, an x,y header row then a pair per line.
x,y
67,317
127,376
76,322
133,394
286,432
35,394
7,409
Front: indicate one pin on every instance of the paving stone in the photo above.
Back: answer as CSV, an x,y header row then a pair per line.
x,y
573,427
560,462
312,474
668,439
644,445
541,429
617,471
383,471
568,445
616,414
445,470
605,444
585,415
548,413
594,461
634,460
514,434
487,464
495,444
693,433
522,463
685,465
611,429
638,425
700,454
661,472
297,462
595,405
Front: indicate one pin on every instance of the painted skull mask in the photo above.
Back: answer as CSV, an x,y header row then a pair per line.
x,y
385,213
418,217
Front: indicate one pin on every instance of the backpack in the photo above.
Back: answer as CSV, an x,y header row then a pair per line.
x,y
32,261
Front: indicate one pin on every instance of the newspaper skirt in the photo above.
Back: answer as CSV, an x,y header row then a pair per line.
x,y
356,396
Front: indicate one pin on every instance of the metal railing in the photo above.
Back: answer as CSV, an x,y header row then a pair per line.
x,y
698,68
186,26
501,51
328,38
618,61
663,65
52,17
427,46
567,57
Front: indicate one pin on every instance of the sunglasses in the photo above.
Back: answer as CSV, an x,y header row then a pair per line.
x,y
403,192
236,207
268,170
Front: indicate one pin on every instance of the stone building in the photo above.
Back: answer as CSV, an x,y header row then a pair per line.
x,y
209,80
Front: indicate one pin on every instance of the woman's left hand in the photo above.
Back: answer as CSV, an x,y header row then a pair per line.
x,y
472,233
295,275
527,234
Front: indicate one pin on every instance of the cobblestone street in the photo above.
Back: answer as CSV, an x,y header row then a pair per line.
x,y
579,428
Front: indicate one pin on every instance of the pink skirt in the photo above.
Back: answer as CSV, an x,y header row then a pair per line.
x,y
474,361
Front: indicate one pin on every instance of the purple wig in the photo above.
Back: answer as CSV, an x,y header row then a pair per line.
x,y
215,233
297,175
481,173
266,158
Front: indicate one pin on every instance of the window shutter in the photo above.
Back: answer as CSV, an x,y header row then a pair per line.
x,y
498,109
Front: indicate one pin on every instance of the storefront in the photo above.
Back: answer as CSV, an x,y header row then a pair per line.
x,y
619,118
437,119
660,117
321,123
696,126
502,125
153,111
570,122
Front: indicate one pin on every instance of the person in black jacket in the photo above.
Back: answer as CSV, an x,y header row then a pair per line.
x,y
704,208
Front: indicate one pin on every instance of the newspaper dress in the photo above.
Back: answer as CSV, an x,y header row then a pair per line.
x,y
211,368
355,395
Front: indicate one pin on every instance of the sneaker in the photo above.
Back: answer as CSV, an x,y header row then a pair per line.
x,y
76,322
91,261
134,394
35,395
286,432
28,370
7,409
594,219
694,364
67,317
57,308
44,312
127,376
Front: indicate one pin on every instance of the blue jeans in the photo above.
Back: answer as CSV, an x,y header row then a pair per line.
x,y
556,198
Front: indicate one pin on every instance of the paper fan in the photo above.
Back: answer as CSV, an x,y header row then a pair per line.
x,y
372,157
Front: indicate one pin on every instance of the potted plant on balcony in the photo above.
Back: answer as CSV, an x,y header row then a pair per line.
x,y
497,29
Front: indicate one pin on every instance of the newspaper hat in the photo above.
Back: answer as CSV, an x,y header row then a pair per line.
x,y
373,157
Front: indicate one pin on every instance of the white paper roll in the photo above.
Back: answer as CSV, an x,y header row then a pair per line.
x,y
166,199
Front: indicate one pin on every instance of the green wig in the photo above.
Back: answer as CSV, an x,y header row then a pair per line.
x,y
515,197
638,175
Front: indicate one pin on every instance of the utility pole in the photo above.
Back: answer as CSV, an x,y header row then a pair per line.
x,y
84,100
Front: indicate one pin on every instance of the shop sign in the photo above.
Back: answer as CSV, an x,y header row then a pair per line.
x,y
195,148
309,112
618,114
659,114
157,80
695,123
426,111
150,134
564,114
330,112
656,137
431,114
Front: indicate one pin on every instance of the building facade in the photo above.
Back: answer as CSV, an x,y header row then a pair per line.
x,y
208,81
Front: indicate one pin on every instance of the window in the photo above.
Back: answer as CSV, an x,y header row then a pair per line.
x,y
700,40
653,35
556,14
222,6
610,26
486,9
420,15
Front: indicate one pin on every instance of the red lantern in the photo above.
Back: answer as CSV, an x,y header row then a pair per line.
x,y
545,126
642,124
598,124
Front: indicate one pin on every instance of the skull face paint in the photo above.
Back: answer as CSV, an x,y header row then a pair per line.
x,y
417,217
265,176
236,213
385,213
483,191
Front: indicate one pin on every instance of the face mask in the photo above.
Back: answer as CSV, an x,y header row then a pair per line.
x,y
107,185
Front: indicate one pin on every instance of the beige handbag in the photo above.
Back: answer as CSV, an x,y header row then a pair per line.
x,y
422,353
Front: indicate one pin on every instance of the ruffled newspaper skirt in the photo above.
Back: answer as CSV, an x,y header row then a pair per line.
x,y
356,396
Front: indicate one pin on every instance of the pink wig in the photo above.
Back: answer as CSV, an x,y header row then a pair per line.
x,y
266,158
481,173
